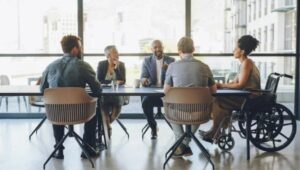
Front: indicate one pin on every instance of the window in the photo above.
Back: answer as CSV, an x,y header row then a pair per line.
x,y
288,2
266,7
249,12
266,39
259,8
272,4
132,26
39,31
259,38
254,10
288,31
208,34
272,35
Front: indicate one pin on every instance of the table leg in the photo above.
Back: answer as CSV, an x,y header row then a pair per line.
x,y
100,126
247,138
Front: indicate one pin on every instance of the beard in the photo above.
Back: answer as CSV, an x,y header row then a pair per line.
x,y
158,53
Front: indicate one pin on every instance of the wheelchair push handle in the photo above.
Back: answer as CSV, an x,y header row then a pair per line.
x,y
283,75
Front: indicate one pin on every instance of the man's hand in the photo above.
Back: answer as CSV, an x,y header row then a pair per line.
x,y
165,66
145,82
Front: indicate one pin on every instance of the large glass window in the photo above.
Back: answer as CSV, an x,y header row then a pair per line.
x,y
259,8
266,39
289,2
131,25
259,39
36,26
266,7
268,30
254,10
272,4
249,13
288,31
272,35
208,30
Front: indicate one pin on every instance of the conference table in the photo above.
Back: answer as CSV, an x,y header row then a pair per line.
x,y
121,91
34,90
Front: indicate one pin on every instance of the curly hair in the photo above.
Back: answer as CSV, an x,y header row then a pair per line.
x,y
248,44
68,42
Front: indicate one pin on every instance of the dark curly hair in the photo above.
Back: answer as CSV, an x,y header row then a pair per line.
x,y
248,44
68,42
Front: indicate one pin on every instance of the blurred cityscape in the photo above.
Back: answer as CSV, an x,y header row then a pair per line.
x,y
35,26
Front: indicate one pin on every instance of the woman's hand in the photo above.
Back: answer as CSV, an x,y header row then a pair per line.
x,y
219,85
120,82
116,63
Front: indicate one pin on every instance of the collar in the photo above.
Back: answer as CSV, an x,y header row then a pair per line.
x,y
67,55
187,56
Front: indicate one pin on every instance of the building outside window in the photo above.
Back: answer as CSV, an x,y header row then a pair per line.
x,y
272,4
266,7
249,13
254,10
288,28
265,38
259,39
272,35
288,2
259,8
132,26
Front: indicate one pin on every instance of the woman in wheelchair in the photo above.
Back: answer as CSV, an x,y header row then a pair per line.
x,y
248,77
111,70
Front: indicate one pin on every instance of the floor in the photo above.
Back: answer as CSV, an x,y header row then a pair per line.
x,y
17,152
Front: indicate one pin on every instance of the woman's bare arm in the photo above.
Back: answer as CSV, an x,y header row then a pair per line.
x,y
242,78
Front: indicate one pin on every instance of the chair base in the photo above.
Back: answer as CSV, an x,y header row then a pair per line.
x,y
158,115
123,127
37,127
78,139
188,134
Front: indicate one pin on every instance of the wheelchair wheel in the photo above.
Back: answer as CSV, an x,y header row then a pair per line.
x,y
226,142
242,126
272,130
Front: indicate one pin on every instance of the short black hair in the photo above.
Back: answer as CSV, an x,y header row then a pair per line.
x,y
68,42
248,44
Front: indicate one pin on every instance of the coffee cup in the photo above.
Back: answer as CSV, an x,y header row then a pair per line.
x,y
137,83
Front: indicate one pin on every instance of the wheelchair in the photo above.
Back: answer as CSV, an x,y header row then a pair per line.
x,y
270,125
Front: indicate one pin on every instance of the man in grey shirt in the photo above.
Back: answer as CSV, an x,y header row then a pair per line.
x,y
71,71
188,72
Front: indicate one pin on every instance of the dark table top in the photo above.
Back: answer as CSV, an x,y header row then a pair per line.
x,y
122,91
231,92
130,91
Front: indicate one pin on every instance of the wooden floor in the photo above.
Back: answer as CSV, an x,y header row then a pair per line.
x,y
18,153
